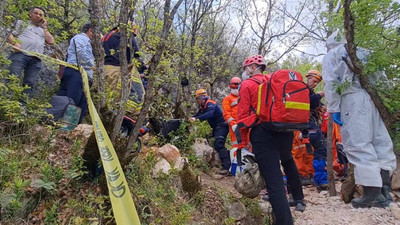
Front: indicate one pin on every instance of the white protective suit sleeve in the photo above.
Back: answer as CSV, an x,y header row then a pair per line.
x,y
331,73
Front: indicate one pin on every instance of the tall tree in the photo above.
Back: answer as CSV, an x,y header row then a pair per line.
x,y
168,18
95,11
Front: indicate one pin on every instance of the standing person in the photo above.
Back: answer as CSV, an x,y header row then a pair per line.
x,y
111,43
79,53
314,132
270,147
366,141
229,109
29,36
210,111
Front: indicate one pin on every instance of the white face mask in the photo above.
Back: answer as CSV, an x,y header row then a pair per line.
x,y
235,92
244,76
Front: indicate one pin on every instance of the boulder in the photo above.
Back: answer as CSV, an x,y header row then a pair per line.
x,y
82,131
202,150
396,177
237,211
179,163
162,166
169,152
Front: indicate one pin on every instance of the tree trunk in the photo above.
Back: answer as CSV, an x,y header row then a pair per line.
x,y
155,60
329,158
98,50
126,11
356,66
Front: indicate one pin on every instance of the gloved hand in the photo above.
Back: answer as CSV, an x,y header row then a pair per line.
x,y
234,127
336,118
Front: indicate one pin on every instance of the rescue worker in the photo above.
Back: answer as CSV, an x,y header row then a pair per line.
x,y
210,111
270,147
303,160
111,43
314,132
229,109
366,141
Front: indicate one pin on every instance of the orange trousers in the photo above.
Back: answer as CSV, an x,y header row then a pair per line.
x,y
303,159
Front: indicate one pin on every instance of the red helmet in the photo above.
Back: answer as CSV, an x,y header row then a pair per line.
x,y
235,81
255,59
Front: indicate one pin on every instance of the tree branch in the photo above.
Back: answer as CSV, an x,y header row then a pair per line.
x,y
349,25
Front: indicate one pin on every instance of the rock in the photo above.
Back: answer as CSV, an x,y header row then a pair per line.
x,y
215,160
202,150
190,182
349,186
336,198
396,178
395,212
323,192
179,163
265,206
237,211
162,166
169,152
82,131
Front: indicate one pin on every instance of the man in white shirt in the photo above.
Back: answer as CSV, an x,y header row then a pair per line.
x,y
30,36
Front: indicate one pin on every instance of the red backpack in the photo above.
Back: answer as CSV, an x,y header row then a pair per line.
x,y
283,101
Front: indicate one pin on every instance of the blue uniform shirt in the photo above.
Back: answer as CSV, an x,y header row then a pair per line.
x,y
212,113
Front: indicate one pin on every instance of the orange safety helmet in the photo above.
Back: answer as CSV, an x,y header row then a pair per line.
x,y
235,81
201,93
255,59
314,73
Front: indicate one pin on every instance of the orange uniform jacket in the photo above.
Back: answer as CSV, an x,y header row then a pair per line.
x,y
230,109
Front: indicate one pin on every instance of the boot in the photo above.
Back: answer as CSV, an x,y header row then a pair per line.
x,y
387,184
372,197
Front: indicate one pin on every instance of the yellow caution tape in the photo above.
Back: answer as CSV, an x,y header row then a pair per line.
x,y
121,200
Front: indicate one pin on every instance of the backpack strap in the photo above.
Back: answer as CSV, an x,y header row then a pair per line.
x,y
255,80
206,103
105,38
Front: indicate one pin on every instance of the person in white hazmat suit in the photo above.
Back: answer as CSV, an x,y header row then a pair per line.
x,y
366,141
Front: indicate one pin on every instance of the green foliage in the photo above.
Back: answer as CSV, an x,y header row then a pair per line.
x,y
51,214
301,64
156,198
17,118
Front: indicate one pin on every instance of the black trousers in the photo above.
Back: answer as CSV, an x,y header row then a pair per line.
x,y
270,148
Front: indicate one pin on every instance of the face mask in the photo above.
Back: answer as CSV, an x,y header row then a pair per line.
x,y
235,92
244,76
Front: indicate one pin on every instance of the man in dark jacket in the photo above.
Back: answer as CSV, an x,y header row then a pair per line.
x,y
210,111
314,131
111,43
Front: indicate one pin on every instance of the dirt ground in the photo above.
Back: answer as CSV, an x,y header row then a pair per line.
x,y
324,209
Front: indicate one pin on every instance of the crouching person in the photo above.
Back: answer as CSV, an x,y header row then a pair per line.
x,y
210,111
